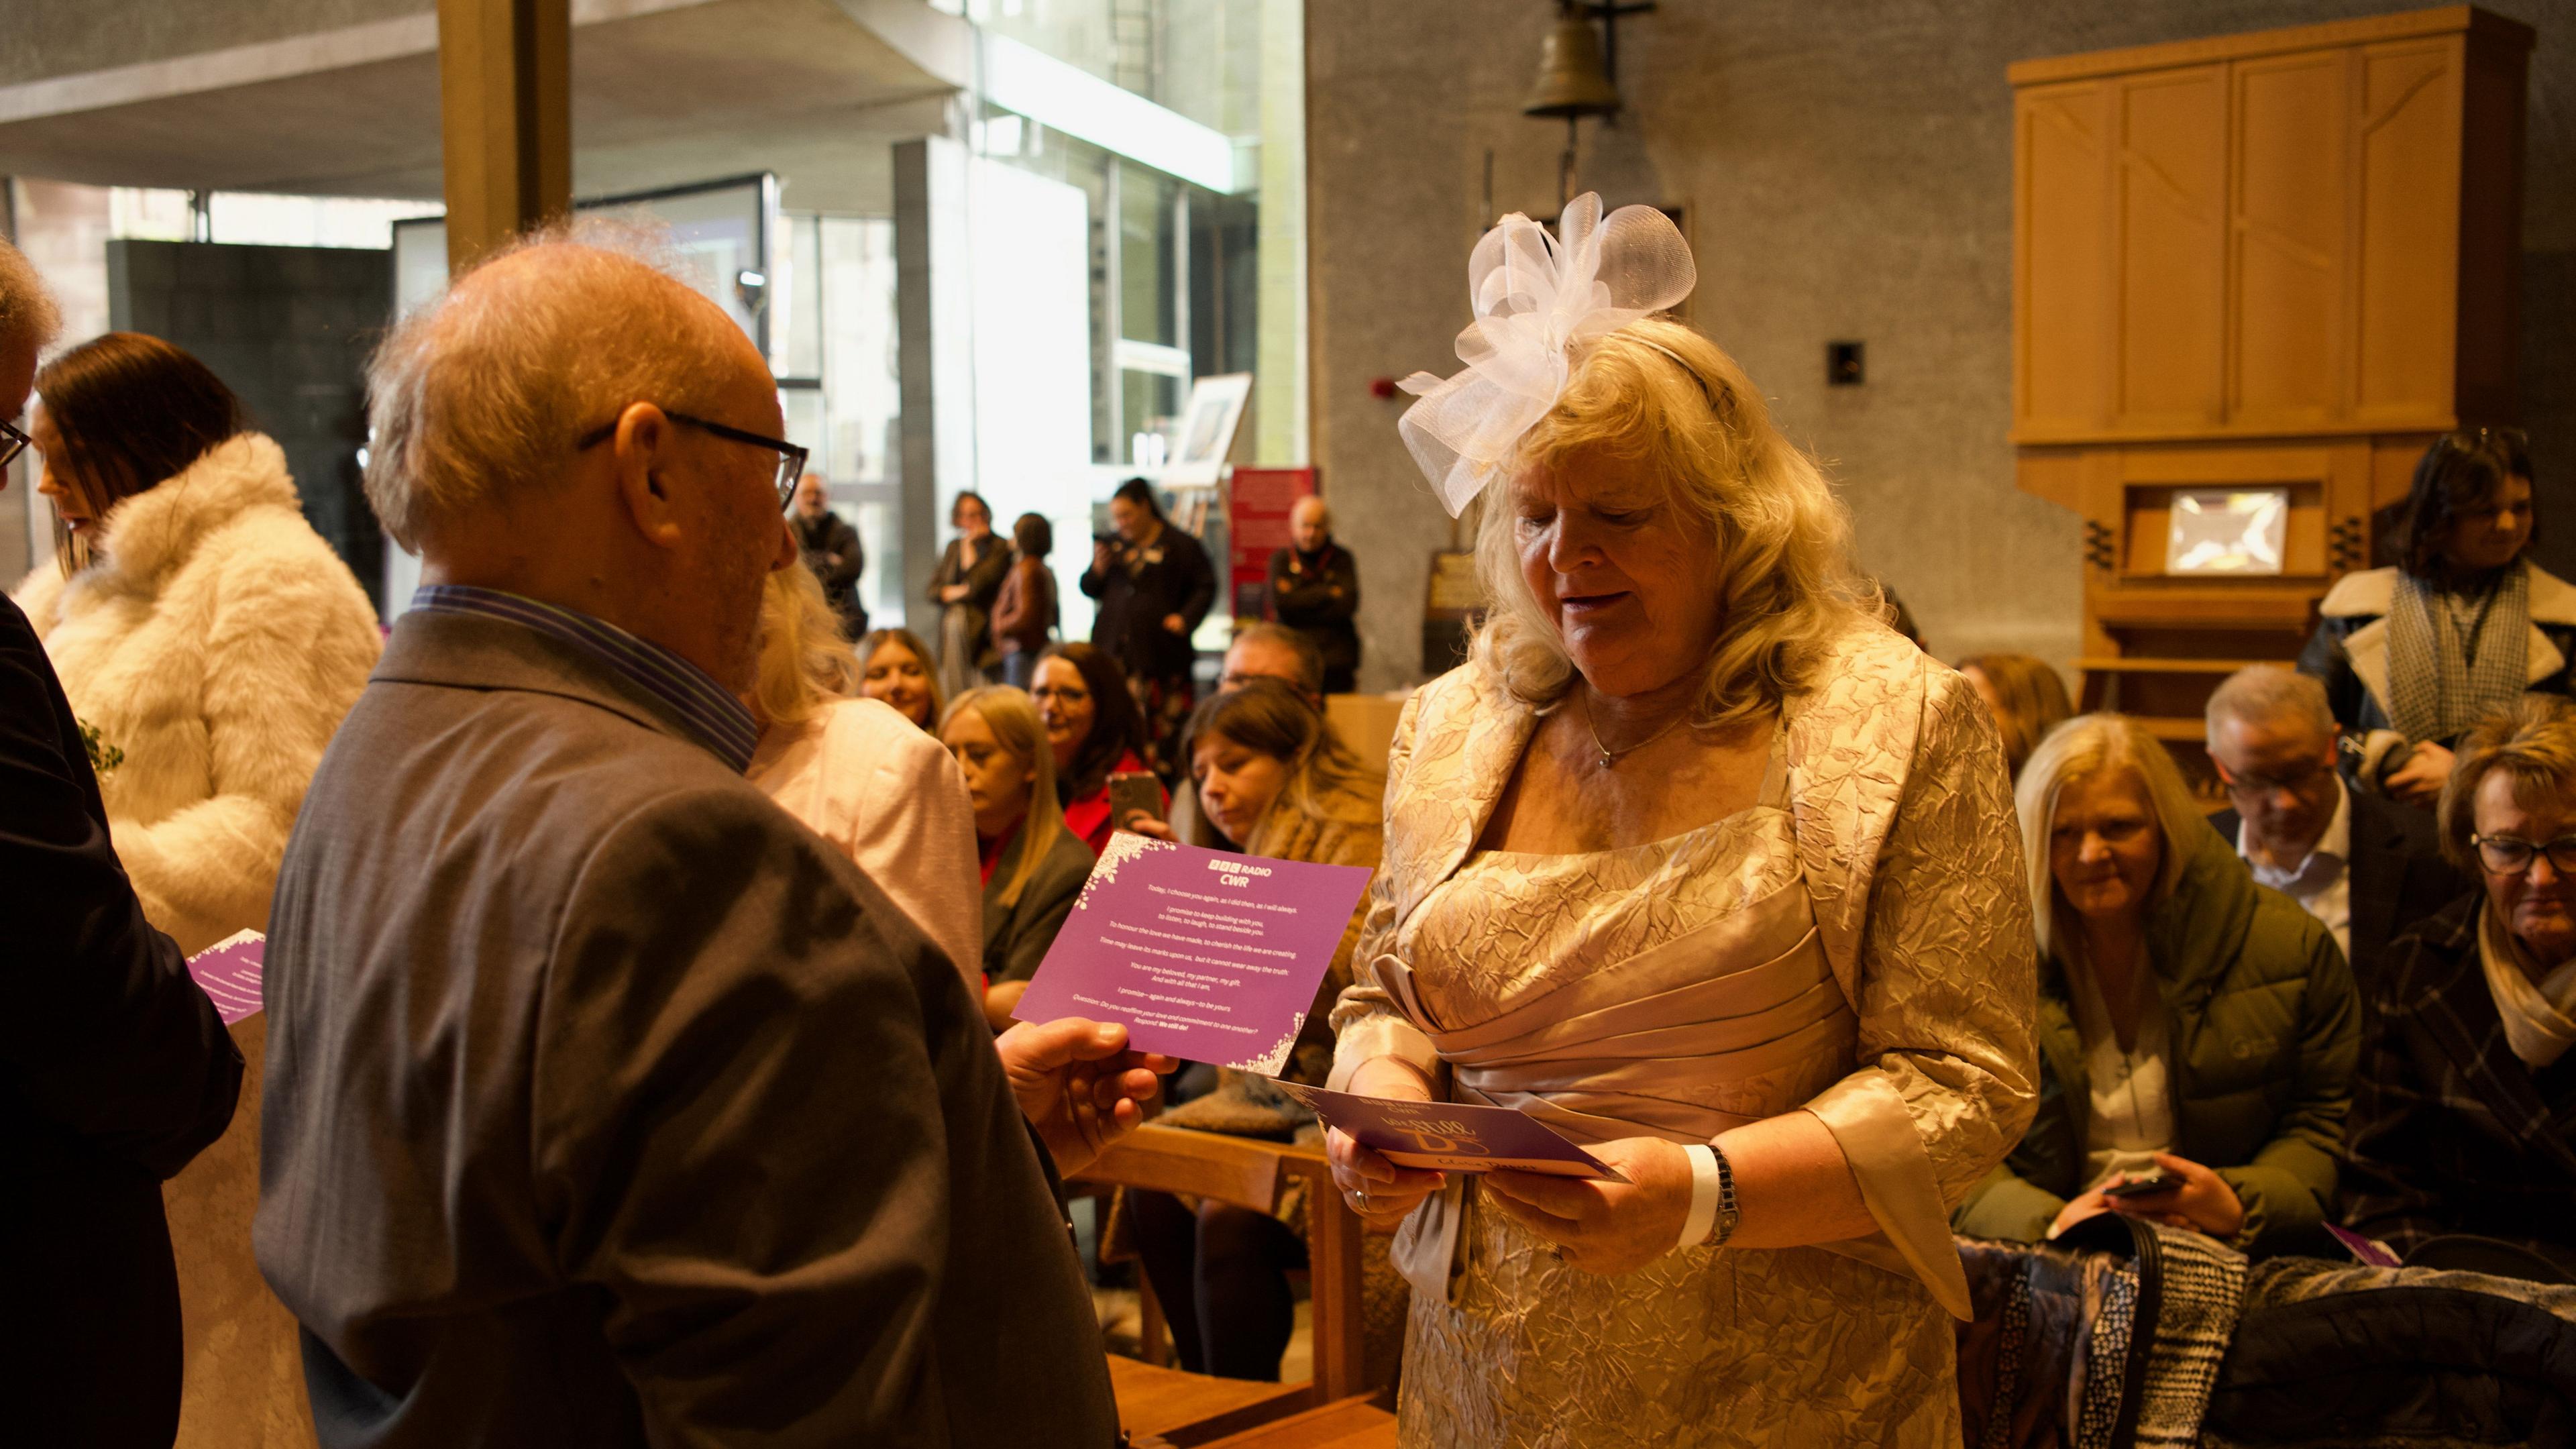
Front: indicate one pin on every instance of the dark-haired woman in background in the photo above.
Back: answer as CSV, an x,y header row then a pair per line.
x,y
1024,612
1094,732
199,624
2024,695
969,575
1154,587
2413,656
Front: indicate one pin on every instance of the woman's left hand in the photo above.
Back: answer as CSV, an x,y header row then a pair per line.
x,y
2202,1201
1608,1228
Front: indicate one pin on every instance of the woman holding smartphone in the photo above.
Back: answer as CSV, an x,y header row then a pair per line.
x,y
1096,735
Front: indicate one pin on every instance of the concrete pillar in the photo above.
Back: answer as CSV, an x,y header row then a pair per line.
x,y
934,350
505,127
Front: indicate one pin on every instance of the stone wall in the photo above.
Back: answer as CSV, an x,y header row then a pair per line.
x,y
1846,171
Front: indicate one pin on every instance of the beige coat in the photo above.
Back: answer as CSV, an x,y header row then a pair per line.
x,y
217,641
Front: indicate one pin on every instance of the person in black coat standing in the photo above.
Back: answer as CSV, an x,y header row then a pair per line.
x,y
114,1068
1154,586
832,549
1315,590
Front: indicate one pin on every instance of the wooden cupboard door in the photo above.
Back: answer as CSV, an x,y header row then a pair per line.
x,y
2407,135
2170,193
2290,223
2061,251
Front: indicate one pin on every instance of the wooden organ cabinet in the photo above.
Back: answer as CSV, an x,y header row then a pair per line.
x,y
2283,260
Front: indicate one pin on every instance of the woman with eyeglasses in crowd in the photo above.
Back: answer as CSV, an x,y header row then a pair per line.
x,y
1095,732
2459,629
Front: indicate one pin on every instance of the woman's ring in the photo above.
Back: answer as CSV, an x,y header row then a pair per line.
x,y
1360,1195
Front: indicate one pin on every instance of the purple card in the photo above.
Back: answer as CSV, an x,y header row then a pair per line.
x,y
1452,1136
2368,1251
228,972
1204,955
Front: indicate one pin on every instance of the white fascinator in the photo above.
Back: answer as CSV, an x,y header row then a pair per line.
x,y
1538,298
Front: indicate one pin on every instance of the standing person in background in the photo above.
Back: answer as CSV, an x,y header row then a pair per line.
x,y
2193,1026
833,551
115,1070
1154,587
2367,866
2413,656
199,624
1315,590
963,586
2024,695
1033,865
858,774
1024,613
895,666
1093,731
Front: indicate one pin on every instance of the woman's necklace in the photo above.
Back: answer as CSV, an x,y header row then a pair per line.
x,y
1610,757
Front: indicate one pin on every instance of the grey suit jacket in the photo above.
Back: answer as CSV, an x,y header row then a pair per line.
x,y
607,1105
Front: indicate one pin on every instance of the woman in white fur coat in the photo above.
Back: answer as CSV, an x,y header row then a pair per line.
x,y
199,624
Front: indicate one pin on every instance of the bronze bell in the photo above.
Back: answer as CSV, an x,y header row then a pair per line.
x,y
1571,79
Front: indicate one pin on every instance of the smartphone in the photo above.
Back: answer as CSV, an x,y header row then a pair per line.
x,y
2143,1186
1131,791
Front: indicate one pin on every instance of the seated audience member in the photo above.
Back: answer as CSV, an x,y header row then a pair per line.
x,y
2366,866
117,1071
895,666
1260,651
199,624
606,1104
1033,865
1094,730
2192,1023
1278,785
2024,695
2464,1111
1314,590
1025,611
2412,656
857,773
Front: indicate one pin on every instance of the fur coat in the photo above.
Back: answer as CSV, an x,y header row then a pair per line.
x,y
216,641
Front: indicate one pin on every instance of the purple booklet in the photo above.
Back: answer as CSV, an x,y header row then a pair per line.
x,y
2369,1251
228,972
1204,955
1452,1136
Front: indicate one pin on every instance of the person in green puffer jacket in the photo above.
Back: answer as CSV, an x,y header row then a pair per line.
x,y
2192,1024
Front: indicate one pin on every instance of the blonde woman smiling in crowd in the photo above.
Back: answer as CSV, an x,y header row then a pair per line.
x,y
1033,866
895,666
2198,1026
1700,864
859,774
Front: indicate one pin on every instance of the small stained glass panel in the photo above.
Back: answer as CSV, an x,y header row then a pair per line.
x,y
2227,531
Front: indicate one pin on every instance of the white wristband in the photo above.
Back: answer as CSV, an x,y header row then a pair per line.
x,y
1705,1190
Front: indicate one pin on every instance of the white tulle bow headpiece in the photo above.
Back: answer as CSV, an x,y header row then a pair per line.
x,y
1537,299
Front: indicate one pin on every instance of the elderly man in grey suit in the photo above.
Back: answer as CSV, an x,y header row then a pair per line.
x,y
606,1104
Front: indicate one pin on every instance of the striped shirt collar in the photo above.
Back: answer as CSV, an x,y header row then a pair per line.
x,y
710,711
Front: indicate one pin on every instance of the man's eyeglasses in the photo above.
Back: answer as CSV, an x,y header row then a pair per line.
x,y
12,443
791,458
2258,786
2505,855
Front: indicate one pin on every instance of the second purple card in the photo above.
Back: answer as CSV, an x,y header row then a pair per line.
x,y
1205,955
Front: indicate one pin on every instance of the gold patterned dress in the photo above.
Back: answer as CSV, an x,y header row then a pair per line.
x,y
1856,945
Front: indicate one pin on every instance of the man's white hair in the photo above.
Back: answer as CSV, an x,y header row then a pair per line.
x,y
28,315
483,393
2269,694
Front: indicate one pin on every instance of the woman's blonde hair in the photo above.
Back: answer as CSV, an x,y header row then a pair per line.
x,y
1013,718
1657,393
805,659
2083,748
2033,698
906,640
2533,745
